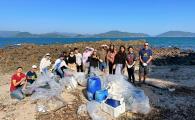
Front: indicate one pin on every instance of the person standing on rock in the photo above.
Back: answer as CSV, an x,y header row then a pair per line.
x,y
110,58
93,62
72,61
120,61
45,63
130,63
145,57
79,58
102,54
18,84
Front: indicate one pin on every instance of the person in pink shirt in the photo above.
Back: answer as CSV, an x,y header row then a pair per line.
x,y
86,54
110,58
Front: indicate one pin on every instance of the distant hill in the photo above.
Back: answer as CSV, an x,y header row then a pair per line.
x,y
120,34
177,34
8,33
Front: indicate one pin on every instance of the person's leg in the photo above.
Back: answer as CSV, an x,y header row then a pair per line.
x,y
110,67
17,94
133,76
77,68
81,67
146,70
129,74
140,73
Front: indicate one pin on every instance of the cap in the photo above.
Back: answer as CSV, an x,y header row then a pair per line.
x,y
47,54
34,66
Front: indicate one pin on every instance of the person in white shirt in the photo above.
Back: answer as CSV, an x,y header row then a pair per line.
x,y
58,65
45,63
79,58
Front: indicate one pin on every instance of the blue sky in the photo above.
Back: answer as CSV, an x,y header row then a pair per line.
x,y
96,16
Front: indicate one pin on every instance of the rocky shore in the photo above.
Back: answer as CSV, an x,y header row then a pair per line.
x,y
28,54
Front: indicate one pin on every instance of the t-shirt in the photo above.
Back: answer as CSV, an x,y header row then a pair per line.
x,y
93,62
78,59
17,78
71,59
145,54
131,57
32,76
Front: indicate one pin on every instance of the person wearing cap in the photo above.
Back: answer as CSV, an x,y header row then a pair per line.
x,y
59,66
45,63
145,57
18,83
102,55
31,75
130,63
93,62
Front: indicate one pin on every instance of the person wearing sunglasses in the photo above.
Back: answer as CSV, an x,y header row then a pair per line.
x,y
145,57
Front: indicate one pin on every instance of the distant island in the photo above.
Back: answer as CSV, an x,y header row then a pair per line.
x,y
109,34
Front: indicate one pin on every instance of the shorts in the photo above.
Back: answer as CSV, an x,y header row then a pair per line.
x,y
102,66
143,69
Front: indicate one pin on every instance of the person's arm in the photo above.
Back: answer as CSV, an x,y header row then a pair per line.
x,y
150,59
19,82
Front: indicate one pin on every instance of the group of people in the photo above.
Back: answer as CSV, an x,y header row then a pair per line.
x,y
89,61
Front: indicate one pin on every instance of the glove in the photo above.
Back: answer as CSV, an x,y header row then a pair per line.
x,y
145,64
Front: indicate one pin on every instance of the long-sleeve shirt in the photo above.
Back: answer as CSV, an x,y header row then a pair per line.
x,y
44,64
111,56
120,58
71,59
59,63
93,62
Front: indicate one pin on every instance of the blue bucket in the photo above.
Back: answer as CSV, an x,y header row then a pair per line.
x,y
113,103
101,95
93,85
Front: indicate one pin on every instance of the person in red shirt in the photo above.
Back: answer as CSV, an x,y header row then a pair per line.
x,y
18,82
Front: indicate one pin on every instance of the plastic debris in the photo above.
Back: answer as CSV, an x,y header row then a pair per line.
x,y
82,110
41,108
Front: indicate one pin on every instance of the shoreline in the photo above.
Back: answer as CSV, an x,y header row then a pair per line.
x,y
26,55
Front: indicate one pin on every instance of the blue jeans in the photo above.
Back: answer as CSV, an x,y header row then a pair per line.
x,y
102,66
18,94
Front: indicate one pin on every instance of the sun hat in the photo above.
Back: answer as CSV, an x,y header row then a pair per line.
x,y
34,67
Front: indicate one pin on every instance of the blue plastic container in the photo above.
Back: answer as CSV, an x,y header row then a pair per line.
x,y
113,103
101,95
93,85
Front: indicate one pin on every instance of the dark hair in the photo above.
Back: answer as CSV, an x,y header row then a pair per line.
x,y
130,47
122,46
71,51
75,49
19,68
112,50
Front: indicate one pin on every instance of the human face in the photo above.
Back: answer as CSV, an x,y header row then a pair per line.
x,y
111,47
122,49
76,51
94,52
72,53
130,50
146,45
19,70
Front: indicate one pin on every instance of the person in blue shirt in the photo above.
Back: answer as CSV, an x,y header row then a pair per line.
x,y
145,57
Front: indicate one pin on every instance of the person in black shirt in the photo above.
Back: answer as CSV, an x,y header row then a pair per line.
x,y
93,61
31,75
120,60
130,62
72,60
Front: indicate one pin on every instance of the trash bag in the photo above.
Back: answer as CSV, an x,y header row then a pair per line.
x,y
45,87
82,110
140,102
95,112
134,98
69,82
80,77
